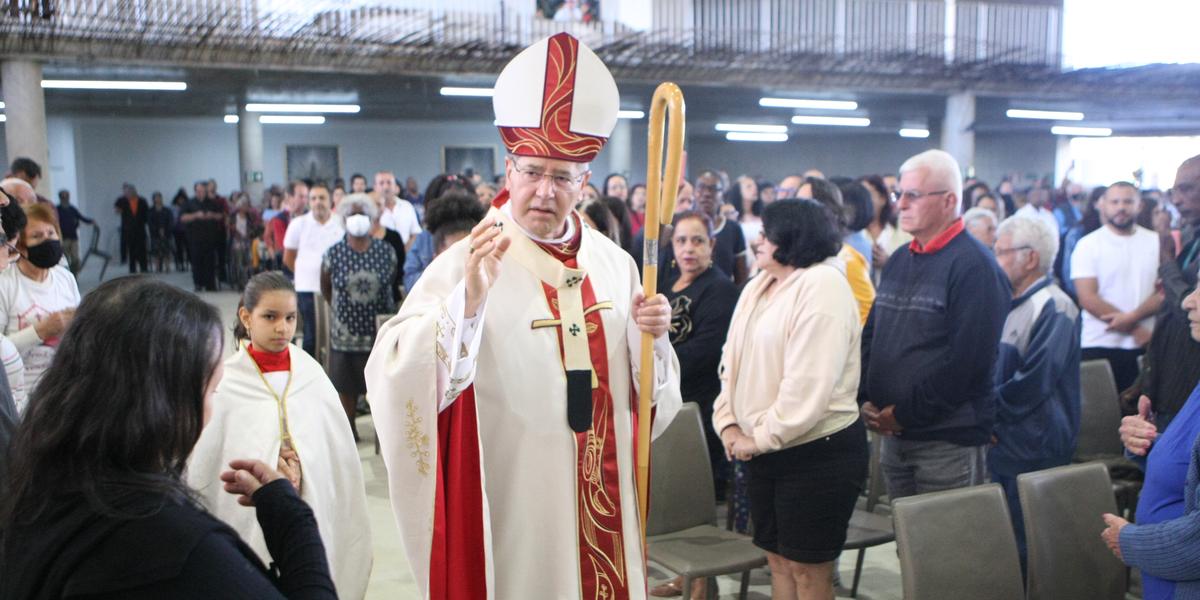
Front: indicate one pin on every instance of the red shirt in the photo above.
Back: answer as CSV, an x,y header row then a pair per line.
x,y
939,241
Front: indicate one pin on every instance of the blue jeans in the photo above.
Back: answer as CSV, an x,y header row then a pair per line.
x,y
916,467
308,319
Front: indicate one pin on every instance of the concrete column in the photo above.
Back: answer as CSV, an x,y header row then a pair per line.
x,y
250,153
958,134
25,108
619,150
951,31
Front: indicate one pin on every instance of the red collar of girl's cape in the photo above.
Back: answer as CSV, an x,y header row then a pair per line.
x,y
271,362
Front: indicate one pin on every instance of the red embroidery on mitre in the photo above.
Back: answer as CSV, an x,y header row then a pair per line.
x,y
554,138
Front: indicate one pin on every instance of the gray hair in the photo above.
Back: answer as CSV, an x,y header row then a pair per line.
x,y
978,213
19,189
1033,233
941,167
360,200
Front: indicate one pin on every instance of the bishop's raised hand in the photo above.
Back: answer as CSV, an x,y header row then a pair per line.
x,y
486,247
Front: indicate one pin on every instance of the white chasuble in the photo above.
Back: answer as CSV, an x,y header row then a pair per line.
x,y
247,422
497,496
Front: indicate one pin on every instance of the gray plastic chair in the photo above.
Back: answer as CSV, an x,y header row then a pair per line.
x,y
957,544
1100,414
324,325
867,527
1099,420
1067,558
682,531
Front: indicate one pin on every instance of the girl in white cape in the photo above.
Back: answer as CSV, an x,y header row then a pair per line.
x,y
275,404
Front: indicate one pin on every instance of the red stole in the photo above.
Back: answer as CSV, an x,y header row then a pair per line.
x,y
597,488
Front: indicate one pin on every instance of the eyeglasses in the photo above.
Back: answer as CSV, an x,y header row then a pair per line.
x,y
562,183
704,187
913,195
1000,252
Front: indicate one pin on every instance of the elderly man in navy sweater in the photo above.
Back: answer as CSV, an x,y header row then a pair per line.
x,y
1037,407
930,343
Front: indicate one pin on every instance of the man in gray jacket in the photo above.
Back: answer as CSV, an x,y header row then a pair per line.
x,y
1037,375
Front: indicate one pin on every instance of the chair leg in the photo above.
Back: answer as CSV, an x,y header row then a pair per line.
x,y
687,586
858,565
103,269
745,589
710,589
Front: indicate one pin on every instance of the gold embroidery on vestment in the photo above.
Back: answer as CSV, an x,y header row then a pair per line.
x,y
418,442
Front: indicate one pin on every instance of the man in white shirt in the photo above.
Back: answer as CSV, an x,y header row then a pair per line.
x,y
307,239
398,214
1114,269
1038,207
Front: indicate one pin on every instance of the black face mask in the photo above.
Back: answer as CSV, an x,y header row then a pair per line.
x,y
46,254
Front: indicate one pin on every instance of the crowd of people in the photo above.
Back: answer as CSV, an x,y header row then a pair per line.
x,y
947,318
951,331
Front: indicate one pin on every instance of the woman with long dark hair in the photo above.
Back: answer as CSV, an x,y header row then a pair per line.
x,y
96,504
886,238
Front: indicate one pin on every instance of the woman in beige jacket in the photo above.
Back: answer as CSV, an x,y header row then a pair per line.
x,y
789,374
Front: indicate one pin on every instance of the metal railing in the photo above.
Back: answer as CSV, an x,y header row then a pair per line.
x,y
366,33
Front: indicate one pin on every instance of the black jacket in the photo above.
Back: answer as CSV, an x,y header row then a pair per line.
x,y
133,224
177,551
8,426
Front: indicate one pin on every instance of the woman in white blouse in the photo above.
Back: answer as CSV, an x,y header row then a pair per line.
x,y
38,297
788,402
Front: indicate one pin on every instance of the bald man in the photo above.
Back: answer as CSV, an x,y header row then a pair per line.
x,y
19,189
1172,351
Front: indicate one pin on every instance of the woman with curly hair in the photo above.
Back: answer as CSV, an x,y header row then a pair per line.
x,y
449,219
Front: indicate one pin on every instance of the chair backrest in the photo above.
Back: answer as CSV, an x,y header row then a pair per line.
x,y
1067,558
957,544
681,483
1100,411
324,326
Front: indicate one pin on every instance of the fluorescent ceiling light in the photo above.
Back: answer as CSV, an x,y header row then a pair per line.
x,y
836,121
802,103
751,127
76,84
3,118
914,133
303,108
292,119
1,105
746,136
231,119
630,114
467,91
1052,115
1081,131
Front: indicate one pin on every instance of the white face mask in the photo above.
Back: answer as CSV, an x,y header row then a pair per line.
x,y
358,225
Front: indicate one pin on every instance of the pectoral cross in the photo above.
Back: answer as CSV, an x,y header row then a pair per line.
x,y
580,383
